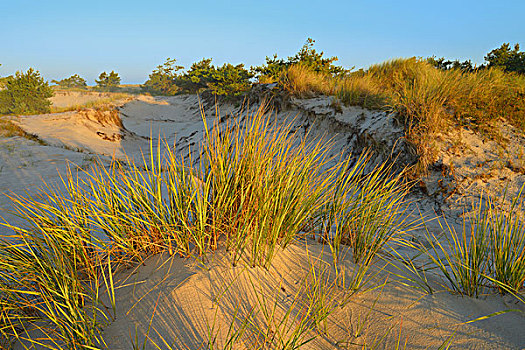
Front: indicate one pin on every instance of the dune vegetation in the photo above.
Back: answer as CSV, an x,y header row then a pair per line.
x,y
428,95
426,99
107,102
257,188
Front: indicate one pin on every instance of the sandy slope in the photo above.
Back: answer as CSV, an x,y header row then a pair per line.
x,y
184,293
184,300
65,98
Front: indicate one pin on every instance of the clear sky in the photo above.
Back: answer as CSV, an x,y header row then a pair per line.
x,y
60,38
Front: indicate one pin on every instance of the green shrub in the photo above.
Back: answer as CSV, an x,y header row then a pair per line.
x,y
25,93
230,80
226,80
444,64
507,59
74,81
4,80
306,57
270,71
163,80
108,82
314,60
197,78
504,58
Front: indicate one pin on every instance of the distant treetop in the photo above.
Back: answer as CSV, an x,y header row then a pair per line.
x,y
162,81
506,58
307,56
510,60
107,81
74,81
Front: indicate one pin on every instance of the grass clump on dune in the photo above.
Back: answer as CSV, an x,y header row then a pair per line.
x,y
10,129
428,99
52,273
107,102
489,251
257,187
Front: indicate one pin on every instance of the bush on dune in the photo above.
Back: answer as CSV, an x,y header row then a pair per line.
x,y
227,80
108,81
197,78
230,80
74,81
162,81
233,80
306,57
507,59
25,93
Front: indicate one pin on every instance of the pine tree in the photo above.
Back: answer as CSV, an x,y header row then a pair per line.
x,y
163,80
510,60
25,93
108,82
74,81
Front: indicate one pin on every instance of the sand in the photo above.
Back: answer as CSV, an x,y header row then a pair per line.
x,y
186,300
180,300
64,98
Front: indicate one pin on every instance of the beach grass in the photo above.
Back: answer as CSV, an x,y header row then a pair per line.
x,y
107,102
8,128
426,99
488,252
257,186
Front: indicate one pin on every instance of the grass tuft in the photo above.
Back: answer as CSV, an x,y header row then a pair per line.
x,y
257,186
428,99
489,251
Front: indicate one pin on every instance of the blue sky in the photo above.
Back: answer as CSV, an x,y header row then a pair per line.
x,y
60,38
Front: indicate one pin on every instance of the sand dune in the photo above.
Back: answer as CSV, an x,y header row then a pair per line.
x,y
186,301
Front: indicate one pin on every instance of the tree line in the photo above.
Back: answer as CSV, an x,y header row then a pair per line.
x,y
509,59
28,92
232,80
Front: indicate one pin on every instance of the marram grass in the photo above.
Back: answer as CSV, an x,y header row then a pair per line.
x,y
427,99
487,253
256,187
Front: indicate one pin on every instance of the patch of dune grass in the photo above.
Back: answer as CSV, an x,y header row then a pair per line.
x,y
429,100
488,252
302,81
257,187
361,91
10,129
102,103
